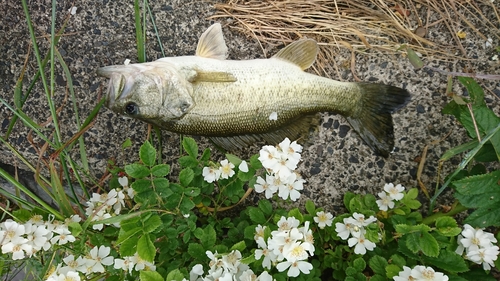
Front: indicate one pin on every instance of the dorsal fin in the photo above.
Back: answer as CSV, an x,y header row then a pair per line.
x,y
212,44
302,53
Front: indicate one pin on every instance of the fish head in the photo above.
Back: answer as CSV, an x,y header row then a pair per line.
x,y
148,91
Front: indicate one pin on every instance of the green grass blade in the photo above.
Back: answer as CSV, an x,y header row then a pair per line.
x,y
141,50
33,196
156,30
69,80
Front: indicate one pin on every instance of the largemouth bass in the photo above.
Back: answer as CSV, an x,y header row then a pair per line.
x,y
236,103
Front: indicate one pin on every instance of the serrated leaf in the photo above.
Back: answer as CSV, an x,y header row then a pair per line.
x,y
137,171
370,201
398,260
412,242
190,146
256,215
186,176
350,271
429,245
310,208
209,237
378,264
153,276
147,154
448,261
481,192
359,264
152,223
447,226
186,205
196,250
160,183
175,275
240,246
187,161
129,247
145,248
192,191
160,170
392,270
266,207
403,228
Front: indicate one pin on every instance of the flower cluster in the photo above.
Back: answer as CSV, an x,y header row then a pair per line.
x,y
103,206
226,268
225,170
353,230
25,240
133,263
420,273
478,246
280,163
390,194
97,258
289,247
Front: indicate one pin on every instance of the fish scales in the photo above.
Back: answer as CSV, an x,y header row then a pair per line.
x,y
236,103
262,87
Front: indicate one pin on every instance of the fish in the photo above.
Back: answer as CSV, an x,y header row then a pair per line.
x,y
238,102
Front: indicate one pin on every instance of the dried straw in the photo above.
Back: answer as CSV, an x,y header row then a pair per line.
x,y
359,25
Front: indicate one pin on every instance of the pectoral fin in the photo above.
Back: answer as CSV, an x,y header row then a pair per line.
x,y
301,53
212,44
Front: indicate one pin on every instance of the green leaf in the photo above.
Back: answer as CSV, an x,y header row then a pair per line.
x,y
147,154
137,171
160,184
447,226
209,237
310,208
414,58
448,261
429,245
350,271
378,277
154,276
356,205
398,260
378,264
127,143
129,247
478,274
240,246
190,146
186,205
175,275
145,248
481,192
295,212
359,264
256,215
233,159
196,250
266,207
152,223
392,270
348,196
192,191
160,170
186,176
188,161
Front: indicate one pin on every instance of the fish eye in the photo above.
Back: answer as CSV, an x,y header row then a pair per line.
x,y
131,108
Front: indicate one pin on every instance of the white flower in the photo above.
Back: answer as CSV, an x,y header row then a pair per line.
x,y
345,229
395,192
486,256
72,264
474,239
265,186
10,230
226,169
323,219
291,150
361,244
268,255
287,223
259,232
423,273
404,275
296,252
195,272
100,255
264,276
243,166
269,157
231,261
17,246
124,183
126,264
385,202
211,174
295,267
69,276
291,188
37,236
63,237
361,221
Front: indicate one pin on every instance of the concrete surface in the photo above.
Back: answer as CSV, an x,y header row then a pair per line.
x,y
335,159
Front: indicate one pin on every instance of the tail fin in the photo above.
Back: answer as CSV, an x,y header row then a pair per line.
x,y
373,121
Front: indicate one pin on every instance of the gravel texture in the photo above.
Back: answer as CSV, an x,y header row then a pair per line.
x,y
335,159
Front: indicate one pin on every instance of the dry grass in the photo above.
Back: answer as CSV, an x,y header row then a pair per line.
x,y
427,26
